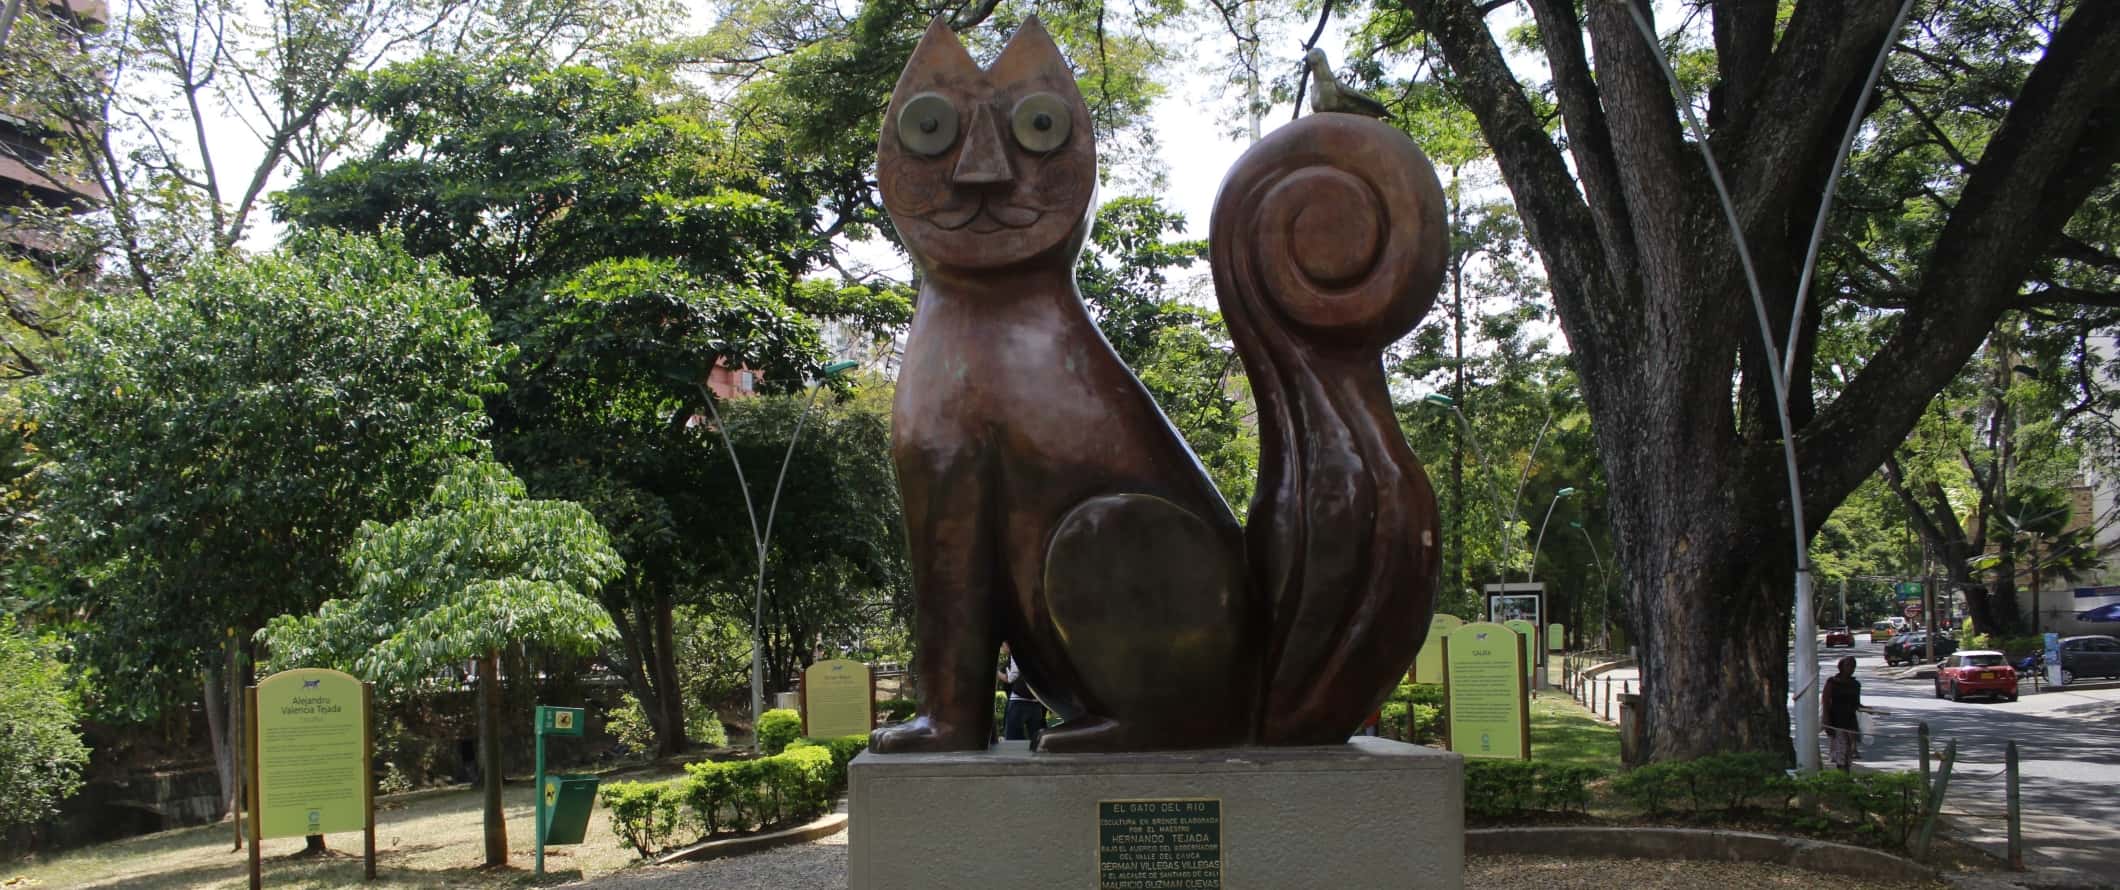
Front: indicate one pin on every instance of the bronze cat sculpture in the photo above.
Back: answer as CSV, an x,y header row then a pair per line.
x,y
1050,504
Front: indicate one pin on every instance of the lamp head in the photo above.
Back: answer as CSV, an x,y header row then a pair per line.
x,y
1436,398
840,367
1565,493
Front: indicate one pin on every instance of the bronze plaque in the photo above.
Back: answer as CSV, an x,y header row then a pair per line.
x,y
1159,844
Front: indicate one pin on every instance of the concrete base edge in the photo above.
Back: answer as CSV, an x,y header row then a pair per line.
x,y
1693,843
830,824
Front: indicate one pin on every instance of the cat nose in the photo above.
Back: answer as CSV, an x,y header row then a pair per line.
x,y
984,159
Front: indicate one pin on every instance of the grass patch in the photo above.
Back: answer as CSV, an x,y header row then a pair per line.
x,y
423,841
1563,732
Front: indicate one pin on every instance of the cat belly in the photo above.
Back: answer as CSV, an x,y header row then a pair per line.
x,y
1145,601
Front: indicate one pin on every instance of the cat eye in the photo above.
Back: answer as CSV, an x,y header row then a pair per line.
x,y
1040,122
927,124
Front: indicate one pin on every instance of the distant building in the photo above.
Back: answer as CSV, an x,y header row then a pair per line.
x,y
26,177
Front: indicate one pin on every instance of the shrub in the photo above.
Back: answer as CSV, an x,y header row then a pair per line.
x,y
629,724
41,756
1651,788
776,728
896,710
1427,722
704,726
643,814
1885,805
1561,787
1499,789
1725,782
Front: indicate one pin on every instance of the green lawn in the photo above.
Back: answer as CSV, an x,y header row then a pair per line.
x,y
1563,732
424,841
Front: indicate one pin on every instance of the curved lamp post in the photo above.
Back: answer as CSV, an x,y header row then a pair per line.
x,y
1602,590
762,536
1440,400
1540,541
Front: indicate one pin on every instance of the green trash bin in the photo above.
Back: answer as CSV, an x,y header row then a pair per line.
x,y
567,802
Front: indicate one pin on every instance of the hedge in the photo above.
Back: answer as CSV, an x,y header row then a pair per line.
x,y
732,796
776,728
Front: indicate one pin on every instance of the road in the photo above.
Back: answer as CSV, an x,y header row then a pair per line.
x,y
2068,752
2068,749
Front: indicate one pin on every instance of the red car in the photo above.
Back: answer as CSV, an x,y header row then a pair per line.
x,y
1840,636
1977,672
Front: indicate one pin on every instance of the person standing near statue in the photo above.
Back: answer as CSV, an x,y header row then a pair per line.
x,y
1024,718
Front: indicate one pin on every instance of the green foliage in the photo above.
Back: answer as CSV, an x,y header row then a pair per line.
x,y
778,727
1509,789
629,724
213,450
644,815
1720,783
1886,805
41,755
480,567
897,710
1180,351
735,795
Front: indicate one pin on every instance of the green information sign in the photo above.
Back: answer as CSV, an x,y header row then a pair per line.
x,y
1909,589
559,721
1488,697
1529,632
1556,638
1154,844
838,699
312,753
1428,665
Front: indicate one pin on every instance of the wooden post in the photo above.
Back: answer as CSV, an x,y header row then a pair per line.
x,y
1943,781
1524,711
368,769
250,743
2015,808
1445,640
1921,732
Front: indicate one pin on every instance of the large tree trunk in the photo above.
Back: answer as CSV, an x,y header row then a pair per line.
x,y
1644,275
489,757
670,733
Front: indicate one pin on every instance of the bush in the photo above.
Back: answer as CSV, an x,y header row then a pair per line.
x,y
896,710
1500,789
1887,806
1727,782
776,728
1562,788
703,725
629,724
41,756
643,814
1652,788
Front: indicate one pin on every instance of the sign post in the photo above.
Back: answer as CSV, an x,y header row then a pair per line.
x,y
311,739
1428,665
559,722
838,698
1487,700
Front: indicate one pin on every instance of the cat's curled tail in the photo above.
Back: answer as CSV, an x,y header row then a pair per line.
x,y
1328,244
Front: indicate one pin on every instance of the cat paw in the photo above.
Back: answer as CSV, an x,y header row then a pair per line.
x,y
1088,735
924,735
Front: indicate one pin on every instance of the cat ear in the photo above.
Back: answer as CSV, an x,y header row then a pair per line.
x,y
1031,52
939,52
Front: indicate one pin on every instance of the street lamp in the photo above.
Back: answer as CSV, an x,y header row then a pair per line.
x,y
763,536
1540,541
1602,591
1443,401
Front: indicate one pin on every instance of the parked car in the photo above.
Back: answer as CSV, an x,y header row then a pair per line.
x,y
1840,636
1977,672
1913,648
1882,631
2089,656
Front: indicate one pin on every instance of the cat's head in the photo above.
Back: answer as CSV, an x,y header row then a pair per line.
x,y
987,168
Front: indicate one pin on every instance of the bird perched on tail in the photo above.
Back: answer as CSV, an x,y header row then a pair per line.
x,y
1328,94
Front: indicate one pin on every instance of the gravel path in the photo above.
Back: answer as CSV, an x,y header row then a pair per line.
x,y
822,865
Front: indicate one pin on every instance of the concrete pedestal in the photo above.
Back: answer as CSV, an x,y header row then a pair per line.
x,y
1371,813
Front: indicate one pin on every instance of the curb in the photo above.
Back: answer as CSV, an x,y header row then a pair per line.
x,y
826,826
1824,857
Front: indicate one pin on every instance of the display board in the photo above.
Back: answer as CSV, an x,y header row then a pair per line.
x,y
1529,632
1556,638
311,738
1488,698
838,699
312,759
1428,665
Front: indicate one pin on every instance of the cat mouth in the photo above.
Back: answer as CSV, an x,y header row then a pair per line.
x,y
984,216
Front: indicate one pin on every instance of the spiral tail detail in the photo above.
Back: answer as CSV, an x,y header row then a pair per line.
x,y
1328,244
